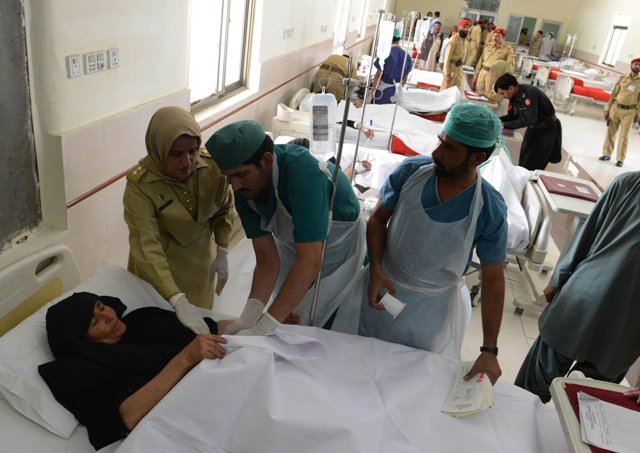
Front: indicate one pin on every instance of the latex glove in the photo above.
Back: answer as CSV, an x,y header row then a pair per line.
x,y
265,326
249,317
220,266
188,314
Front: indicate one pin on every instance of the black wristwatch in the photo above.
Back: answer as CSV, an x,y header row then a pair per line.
x,y
493,351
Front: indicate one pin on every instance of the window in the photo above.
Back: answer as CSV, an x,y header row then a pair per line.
x,y
484,5
612,50
341,24
364,15
219,42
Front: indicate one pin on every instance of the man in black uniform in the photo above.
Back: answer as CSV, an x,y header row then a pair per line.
x,y
531,108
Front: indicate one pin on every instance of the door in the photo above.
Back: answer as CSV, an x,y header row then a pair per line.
x,y
513,28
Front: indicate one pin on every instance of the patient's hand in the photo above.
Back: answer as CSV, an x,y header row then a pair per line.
x,y
486,363
292,318
633,393
205,346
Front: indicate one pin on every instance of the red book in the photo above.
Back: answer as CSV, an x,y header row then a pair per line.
x,y
569,188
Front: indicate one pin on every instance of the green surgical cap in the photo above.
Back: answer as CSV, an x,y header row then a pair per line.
x,y
235,143
472,125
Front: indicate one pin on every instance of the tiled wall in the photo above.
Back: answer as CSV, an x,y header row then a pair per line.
x,y
93,155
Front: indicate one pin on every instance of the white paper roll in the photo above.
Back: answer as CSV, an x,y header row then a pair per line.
x,y
284,112
392,305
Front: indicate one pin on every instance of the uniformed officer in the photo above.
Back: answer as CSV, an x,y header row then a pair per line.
x,y
497,50
175,202
454,57
282,197
621,112
331,73
531,108
473,43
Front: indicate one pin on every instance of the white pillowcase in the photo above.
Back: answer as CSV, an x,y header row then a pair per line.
x,y
26,346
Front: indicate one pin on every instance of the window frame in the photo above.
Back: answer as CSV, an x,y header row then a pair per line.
x,y
615,51
222,89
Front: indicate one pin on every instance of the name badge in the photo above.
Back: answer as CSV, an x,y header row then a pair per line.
x,y
631,88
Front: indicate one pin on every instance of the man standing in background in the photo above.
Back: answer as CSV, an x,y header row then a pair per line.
x,y
454,56
498,50
397,67
473,43
622,112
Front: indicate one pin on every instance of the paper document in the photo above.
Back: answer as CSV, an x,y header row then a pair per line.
x,y
607,425
468,397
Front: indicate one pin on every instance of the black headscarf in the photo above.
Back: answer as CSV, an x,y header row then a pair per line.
x,y
69,319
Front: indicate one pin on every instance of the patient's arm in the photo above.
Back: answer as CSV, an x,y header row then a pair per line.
x,y
146,397
492,306
633,393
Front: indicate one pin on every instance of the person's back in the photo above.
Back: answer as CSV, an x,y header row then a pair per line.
x,y
330,75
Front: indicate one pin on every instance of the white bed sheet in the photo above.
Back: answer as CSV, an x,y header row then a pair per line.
x,y
420,100
362,395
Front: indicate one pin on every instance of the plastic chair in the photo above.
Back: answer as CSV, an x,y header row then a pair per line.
x,y
562,90
542,76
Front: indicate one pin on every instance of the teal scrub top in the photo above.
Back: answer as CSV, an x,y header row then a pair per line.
x,y
305,190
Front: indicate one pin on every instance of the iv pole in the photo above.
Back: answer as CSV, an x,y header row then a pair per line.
x,y
351,85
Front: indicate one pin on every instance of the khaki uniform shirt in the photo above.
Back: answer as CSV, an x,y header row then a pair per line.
x,y
171,225
331,72
454,54
626,92
491,54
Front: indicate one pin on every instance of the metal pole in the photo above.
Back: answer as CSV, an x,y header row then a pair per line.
x,y
350,86
366,92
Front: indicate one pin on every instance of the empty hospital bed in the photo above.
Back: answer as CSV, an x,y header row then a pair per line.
x,y
306,390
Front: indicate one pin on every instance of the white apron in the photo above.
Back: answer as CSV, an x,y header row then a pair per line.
x,y
341,268
426,260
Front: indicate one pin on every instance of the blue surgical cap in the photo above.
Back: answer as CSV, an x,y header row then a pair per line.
x,y
472,125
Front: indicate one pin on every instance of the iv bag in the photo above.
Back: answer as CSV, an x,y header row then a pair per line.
x,y
322,136
385,37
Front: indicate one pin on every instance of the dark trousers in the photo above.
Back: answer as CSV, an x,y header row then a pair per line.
x,y
542,365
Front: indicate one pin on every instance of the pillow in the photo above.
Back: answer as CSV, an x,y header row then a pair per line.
x,y
25,347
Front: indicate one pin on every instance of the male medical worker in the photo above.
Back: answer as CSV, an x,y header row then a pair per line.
x,y
282,196
396,69
594,297
432,212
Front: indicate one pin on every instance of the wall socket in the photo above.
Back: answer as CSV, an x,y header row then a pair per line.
x,y
95,61
74,66
113,58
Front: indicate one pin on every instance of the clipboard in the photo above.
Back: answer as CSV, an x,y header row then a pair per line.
x,y
569,188
564,392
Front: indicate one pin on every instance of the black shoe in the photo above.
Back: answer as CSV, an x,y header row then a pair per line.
x,y
619,163
604,157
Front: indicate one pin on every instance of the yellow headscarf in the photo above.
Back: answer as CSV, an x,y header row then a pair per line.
x,y
500,67
165,126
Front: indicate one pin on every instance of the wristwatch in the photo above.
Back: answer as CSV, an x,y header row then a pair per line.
x,y
493,351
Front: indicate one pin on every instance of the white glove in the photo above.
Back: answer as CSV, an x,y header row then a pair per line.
x,y
188,314
220,266
250,315
265,326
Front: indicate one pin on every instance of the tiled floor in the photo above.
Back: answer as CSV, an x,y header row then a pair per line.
x,y
583,135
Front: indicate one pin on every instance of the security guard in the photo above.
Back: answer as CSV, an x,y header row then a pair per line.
x,y
497,50
622,112
454,57
331,73
175,202
531,108
473,43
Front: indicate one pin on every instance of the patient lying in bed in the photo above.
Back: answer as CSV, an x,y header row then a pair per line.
x,y
111,371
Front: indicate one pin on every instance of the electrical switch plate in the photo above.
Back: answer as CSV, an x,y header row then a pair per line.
x,y
74,66
95,61
113,58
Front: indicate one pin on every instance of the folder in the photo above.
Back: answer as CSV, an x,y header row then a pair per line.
x,y
569,188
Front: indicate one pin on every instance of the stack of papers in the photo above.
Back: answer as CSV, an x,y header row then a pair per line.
x,y
468,397
607,425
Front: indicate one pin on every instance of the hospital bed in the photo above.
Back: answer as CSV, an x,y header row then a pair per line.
x,y
304,390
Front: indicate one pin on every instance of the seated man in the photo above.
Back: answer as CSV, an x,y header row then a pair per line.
x,y
109,371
